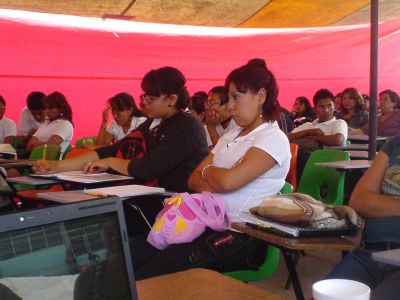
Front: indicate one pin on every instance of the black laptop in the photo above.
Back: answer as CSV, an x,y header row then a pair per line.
x,y
74,251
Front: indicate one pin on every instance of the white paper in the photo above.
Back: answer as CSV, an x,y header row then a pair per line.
x,y
125,190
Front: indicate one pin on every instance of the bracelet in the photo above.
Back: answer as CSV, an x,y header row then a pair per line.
x,y
204,170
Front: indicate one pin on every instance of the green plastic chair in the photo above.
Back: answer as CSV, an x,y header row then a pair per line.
x,y
324,184
87,139
271,261
53,152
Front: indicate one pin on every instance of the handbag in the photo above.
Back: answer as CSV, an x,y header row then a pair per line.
x,y
301,209
185,217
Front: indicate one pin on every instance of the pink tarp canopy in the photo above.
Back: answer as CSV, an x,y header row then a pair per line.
x,y
90,60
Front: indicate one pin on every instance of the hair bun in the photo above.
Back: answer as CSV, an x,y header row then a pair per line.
x,y
257,62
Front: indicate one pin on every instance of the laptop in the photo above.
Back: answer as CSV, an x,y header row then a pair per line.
x,y
391,257
73,251
292,230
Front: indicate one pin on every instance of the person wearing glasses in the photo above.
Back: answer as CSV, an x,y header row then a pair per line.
x,y
127,117
175,140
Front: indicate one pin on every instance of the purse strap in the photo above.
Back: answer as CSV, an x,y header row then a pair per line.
x,y
214,215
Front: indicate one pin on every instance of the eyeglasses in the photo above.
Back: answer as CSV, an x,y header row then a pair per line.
x,y
148,98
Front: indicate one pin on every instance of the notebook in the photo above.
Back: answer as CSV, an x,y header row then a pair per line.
x,y
124,191
73,251
391,257
81,177
291,230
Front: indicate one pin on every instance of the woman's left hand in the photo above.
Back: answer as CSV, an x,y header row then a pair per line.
x,y
96,166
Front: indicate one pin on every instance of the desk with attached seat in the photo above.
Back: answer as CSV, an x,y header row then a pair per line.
x,y
290,245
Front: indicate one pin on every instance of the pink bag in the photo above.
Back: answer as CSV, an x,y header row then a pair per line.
x,y
185,217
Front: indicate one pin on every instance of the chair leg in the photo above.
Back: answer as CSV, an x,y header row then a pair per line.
x,y
296,258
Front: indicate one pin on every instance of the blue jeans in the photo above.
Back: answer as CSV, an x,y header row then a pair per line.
x,y
383,279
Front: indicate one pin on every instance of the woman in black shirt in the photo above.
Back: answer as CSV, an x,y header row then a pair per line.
x,y
174,147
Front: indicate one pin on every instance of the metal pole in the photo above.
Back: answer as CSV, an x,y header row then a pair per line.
x,y
373,83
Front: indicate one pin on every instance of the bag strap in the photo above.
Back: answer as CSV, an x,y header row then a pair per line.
x,y
214,219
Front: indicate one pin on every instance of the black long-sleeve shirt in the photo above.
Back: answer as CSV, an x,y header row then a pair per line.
x,y
175,148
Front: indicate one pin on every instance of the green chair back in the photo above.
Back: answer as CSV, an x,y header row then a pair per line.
x,y
53,152
87,139
271,261
324,184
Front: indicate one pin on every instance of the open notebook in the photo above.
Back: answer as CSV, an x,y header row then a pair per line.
x,y
292,230
81,177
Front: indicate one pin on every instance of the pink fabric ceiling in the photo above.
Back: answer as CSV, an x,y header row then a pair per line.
x,y
91,62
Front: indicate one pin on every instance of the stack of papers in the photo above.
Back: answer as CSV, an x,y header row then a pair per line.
x,y
124,191
81,177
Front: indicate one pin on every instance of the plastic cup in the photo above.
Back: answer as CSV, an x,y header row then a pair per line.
x,y
340,289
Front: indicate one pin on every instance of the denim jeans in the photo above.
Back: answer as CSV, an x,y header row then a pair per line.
x,y
383,279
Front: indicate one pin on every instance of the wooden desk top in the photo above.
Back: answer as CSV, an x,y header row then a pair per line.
x,y
199,284
351,146
320,243
346,164
12,163
364,138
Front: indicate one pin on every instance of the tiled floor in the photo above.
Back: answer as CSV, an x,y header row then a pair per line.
x,y
311,268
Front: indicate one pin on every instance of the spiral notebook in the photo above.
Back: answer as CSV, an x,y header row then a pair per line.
x,y
287,230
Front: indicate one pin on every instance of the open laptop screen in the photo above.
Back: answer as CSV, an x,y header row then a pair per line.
x,y
83,257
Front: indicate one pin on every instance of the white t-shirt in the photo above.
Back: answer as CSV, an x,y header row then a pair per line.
x,y
330,127
221,130
60,127
7,128
117,131
27,122
230,148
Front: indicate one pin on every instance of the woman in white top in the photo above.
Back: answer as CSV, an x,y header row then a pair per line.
x,y
247,165
59,129
127,117
8,129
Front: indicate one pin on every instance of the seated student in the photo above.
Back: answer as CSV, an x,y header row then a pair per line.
x,y
389,117
338,103
175,147
326,130
59,129
8,130
376,198
32,115
352,109
218,118
366,101
127,117
248,164
302,111
197,105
